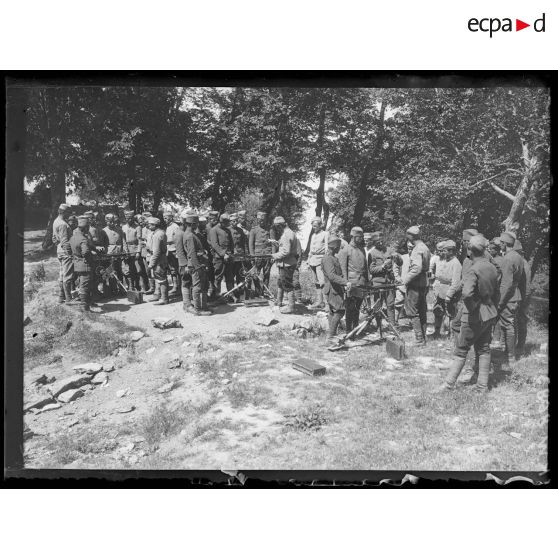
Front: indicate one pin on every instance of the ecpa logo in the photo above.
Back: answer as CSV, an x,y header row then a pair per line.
x,y
494,24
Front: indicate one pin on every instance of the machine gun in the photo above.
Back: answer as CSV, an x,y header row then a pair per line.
x,y
250,272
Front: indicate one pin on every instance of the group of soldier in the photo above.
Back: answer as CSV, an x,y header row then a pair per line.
x,y
485,295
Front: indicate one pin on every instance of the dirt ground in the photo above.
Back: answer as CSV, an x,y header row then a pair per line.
x,y
221,392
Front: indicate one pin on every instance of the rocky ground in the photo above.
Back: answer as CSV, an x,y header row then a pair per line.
x,y
113,390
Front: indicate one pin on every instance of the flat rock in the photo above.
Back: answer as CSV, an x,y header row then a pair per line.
x,y
165,323
70,395
88,368
109,366
265,317
167,338
136,335
127,409
72,382
50,407
166,388
100,378
122,392
150,351
39,401
174,363
228,336
516,435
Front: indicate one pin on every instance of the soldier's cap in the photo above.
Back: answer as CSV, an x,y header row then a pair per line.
x,y
356,231
138,216
469,233
508,237
63,207
450,245
279,220
213,214
496,241
167,212
109,216
333,239
316,220
233,216
376,235
191,218
147,214
241,213
441,245
128,212
517,245
367,235
82,220
225,217
202,218
478,242
261,214
413,231
153,221
89,212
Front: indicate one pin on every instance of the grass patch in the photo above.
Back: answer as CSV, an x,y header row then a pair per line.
x,y
312,418
241,394
68,447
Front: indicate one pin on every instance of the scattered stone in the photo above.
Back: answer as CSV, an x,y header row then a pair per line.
x,y
136,335
87,387
226,336
39,401
150,351
166,388
138,439
100,378
235,375
42,380
167,338
123,392
175,362
70,395
109,366
26,321
128,447
72,382
128,409
515,434
88,368
225,381
73,423
165,323
50,407
265,317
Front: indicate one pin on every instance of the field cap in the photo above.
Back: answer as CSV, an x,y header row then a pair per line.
x,y
261,214
63,207
213,214
191,218
224,217
333,239
153,221
128,212
316,220
478,242
202,218
109,216
82,220
233,216
469,233
241,213
356,231
508,237
413,231
450,245
279,220
441,245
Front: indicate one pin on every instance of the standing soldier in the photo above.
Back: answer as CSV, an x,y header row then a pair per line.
x,y
259,245
212,220
171,231
157,247
318,247
196,258
242,221
140,262
447,283
480,299
495,252
523,308
82,249
296,276
286,259
221,241
416,283
182,258
132,235
146,234
439,256
240,250
380,270
513,271
400,271
335,286
116,245
369,244
353,266
201,233
61,234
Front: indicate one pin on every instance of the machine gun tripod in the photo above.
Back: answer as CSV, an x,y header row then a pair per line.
x,y
251,273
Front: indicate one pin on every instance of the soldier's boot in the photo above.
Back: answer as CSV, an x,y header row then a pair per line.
x,y
470,373
164,289
290,309
484,373
280,294
298,296
204,310
186,298
319,302
438,318
143,284
177,286
152,287
509,350
334,320
157,293
420,341
67,285
453,373
61,293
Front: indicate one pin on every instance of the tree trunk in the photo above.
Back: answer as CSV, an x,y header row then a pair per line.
x,y
57,196
156,202
132,196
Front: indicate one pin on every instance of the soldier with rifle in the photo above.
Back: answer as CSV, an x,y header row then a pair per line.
x,y
146,234
259,245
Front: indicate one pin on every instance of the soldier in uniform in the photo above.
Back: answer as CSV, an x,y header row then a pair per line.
x,y
355,271
146,234
212,220
368,245
201,233
61,234
400,269
480,300
318,247
240,251
447,284
523,307
171,231
380,270
196,258
242,222
182,258
116,245
221,241
416,283
73,222
157,247
513,271
439,256
335,286
286,259
82,248
132,235
140,261
296,276
259,245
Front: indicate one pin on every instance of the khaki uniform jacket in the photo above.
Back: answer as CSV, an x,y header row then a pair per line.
x,y
132,235
172,231
240,241
318,248
353,264
513,270
221,241
287,254
419,266
480,291
447,282
180,249
376,271
333,281
158,247
116,242
82,247
258,242
195,252
146,235
61,234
